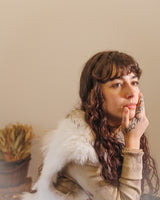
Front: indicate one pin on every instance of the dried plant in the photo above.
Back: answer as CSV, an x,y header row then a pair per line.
x,y
15,142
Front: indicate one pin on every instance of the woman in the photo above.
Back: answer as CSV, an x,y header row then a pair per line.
x,y
100,152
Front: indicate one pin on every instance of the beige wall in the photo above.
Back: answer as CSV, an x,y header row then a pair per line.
x,y
44,44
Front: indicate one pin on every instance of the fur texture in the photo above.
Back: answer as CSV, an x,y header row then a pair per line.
x,y
72,142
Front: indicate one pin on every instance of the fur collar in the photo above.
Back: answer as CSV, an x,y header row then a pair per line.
x,y
72,141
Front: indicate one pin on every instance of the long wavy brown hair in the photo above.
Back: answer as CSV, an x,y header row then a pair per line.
x,y
100,68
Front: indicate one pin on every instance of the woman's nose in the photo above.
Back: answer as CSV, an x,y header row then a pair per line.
x,y
129,91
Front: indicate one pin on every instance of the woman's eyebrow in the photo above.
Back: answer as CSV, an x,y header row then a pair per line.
x,y
134,76
120,77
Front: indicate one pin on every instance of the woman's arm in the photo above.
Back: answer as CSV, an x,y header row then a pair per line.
x,y
92,182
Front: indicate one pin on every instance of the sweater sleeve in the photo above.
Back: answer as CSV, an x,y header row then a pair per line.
x,y
90,179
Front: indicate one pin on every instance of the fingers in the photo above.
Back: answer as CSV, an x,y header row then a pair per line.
x,y
125,117
138,122
140,101
140,111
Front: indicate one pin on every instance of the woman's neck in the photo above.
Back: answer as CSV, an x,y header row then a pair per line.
x,y
114,127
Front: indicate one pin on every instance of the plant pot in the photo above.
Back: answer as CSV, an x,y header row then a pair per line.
x,y
13,173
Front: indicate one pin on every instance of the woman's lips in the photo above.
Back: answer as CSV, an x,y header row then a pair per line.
x,y
131,106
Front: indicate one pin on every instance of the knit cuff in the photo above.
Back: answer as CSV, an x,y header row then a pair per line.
x,y
132,164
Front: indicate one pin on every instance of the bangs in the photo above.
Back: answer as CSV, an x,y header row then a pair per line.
x,y
114,68
116,71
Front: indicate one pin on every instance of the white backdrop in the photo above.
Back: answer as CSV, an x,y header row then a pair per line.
x,y
44,45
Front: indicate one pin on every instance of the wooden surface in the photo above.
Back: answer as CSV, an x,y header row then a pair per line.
x,y
12,193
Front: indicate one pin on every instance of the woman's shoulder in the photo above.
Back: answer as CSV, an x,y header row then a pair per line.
x,y
77,117
77,114
74,138
74,125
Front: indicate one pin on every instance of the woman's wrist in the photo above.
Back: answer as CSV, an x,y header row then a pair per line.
x,y
132,144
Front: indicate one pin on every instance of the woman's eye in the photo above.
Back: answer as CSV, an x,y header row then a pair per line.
x,y
135,83
116,85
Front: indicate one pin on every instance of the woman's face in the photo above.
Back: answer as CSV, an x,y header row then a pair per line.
x,y
119,93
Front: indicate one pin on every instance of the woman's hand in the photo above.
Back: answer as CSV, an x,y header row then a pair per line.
x,y
134,129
